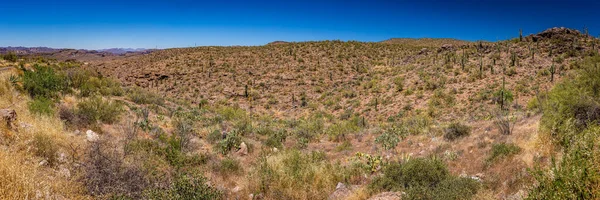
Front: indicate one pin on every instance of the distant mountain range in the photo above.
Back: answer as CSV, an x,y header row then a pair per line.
x,y
46,50
123,50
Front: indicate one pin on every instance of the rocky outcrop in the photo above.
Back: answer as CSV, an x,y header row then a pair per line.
x,y
9,116
558,34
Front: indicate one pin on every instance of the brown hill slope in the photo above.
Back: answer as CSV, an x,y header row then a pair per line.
x,y
373,79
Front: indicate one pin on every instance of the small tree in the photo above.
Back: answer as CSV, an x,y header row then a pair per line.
x,y
10,56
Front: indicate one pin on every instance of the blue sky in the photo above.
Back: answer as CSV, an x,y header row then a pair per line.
x,y
183,23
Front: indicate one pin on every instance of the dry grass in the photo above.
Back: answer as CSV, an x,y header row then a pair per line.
x,y
359,194
294,175
17,180
21,177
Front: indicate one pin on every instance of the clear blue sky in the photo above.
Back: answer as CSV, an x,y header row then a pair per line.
x,y
181,23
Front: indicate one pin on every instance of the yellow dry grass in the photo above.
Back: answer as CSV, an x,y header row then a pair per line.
x,y
294,176
21,177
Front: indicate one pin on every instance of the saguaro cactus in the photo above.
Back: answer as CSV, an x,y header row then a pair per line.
x,y
462,61
502,94
552,71
481,66
520,35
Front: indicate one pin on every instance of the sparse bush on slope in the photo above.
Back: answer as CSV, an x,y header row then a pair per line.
x,y
502,150
41,105
570,117
141,96
456,130
424,178
44,82
295,175
96,109
10,56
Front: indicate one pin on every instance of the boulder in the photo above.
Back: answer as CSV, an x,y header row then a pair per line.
x,y
447,47
9,116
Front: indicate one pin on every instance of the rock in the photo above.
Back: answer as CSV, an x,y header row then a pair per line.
x,y
478,177
9,116
423,51
446,47
341,192
25,125
236,189
62,157
91,136
43,162
64,172
275,149
521,194
243,149
340,185
387,196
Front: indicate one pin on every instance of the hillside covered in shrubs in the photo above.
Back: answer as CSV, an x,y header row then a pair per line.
x,y
401,119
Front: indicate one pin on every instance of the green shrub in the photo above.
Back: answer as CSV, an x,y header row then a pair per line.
x,y
141,96
46,147
570,116
41,105
441,99
183,130
231,113
95,109
100,86
399,82
231,142
10,56
424,178
456,130
338,131
44,82
508,97
186,186
167,147
575,100
228,166
308,128
417,124
451,188
502,150
576,175
214,136
415,172
390,138
276,139
77,76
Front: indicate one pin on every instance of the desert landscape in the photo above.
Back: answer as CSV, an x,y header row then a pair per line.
x,y
401,118
331,100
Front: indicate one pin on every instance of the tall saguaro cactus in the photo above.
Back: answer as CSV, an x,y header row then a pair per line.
x,y
520,35
552,71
